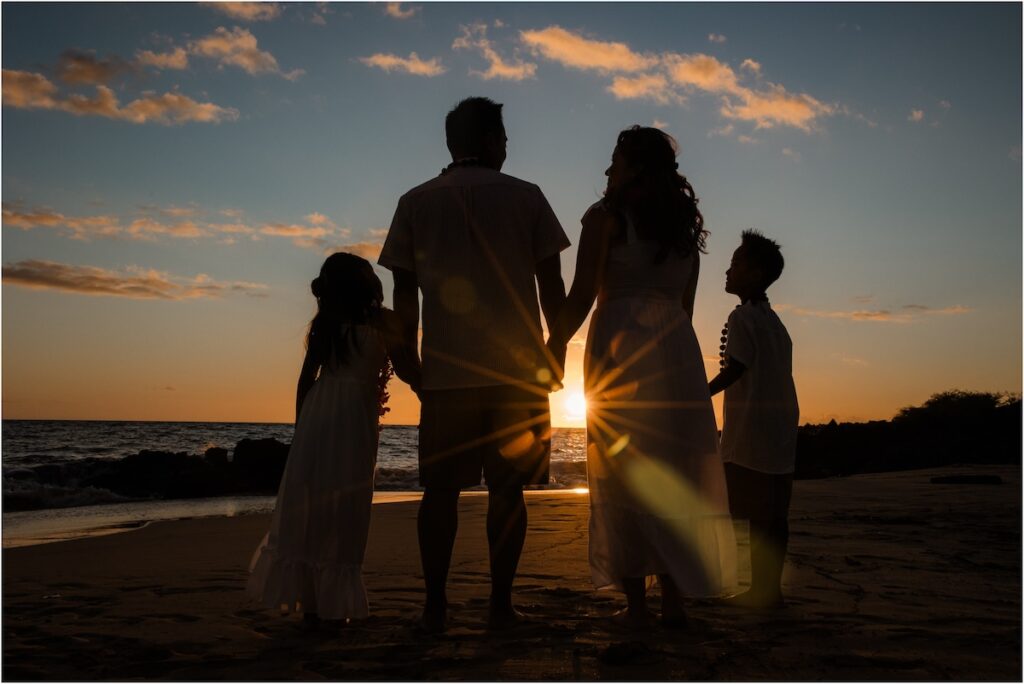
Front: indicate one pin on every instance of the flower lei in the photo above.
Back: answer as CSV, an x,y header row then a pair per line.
x,y
382,392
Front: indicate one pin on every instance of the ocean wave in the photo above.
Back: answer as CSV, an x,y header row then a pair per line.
x,y
25,495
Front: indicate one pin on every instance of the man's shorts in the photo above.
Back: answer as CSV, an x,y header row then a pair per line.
x,y
754,495
502,431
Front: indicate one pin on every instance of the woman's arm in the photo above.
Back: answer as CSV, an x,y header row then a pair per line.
x,y
307,376
598,226
690,293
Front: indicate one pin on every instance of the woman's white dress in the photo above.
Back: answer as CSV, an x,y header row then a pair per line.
x,y
311,560
658,497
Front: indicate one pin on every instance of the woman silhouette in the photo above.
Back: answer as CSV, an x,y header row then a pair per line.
x,y
657,487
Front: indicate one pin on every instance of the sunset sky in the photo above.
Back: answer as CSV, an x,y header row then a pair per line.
x,y
174,174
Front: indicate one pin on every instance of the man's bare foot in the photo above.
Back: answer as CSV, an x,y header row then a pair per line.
x,y
434,621
499,620
633,619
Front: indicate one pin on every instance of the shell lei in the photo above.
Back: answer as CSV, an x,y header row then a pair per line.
x,y
382,393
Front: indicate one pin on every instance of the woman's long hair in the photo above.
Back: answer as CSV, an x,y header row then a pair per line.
x,y
659,199
347,291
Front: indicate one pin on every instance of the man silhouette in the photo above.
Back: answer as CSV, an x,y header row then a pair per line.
x,y
474,240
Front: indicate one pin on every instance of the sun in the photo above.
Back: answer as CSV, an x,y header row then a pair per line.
x,y
576,406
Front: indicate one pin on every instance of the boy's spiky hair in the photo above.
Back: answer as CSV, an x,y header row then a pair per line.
x,y
765,254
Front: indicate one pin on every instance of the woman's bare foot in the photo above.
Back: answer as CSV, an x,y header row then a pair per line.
x,y
634,619
755,599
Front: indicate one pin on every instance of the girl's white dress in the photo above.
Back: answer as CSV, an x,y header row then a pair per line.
x,y
658,497
311,560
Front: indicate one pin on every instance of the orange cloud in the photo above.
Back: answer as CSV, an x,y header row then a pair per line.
x,y
82,228
775,106
84,68
916,115
368,250
133,283
24,90
703,72
573,50
410,65
751,65
648,86
145,228
238,47
247,11
175,59
394,9
475,38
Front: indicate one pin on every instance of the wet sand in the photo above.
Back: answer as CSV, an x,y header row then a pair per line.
x,y
890,577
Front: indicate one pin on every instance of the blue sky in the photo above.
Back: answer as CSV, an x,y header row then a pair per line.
x,y
161,229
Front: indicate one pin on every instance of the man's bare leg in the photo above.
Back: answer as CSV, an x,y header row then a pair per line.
x,y
437,524
506,534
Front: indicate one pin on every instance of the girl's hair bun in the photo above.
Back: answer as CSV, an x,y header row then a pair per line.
x,y
317,286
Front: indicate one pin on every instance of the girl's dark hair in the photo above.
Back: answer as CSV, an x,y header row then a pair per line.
x,y
347,291
659,198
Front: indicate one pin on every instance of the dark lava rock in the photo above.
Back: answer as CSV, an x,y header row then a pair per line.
x,y
259,463
217,455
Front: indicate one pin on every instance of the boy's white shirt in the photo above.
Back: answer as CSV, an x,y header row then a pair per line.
x,y
761,409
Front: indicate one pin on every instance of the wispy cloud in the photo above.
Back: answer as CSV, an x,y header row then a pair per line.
x,y
765,105
475,38
907,313
85,68
410,65
945,104
792,154
367,250
247,11
132,283
176,59
723,131
239,47
147,228
653,87
26,90
716,38
658,123
916,115
776,107
578,52
395,9
847,360
157,222
79,228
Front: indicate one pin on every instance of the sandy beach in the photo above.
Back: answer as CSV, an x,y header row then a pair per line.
x,y
889,577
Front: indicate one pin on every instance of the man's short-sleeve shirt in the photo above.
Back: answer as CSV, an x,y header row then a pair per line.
x,y
473,237
761,409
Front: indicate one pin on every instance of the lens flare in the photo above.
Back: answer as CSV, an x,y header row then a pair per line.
x,y
576,405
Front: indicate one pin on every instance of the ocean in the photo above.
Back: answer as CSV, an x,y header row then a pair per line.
x,y
48,465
